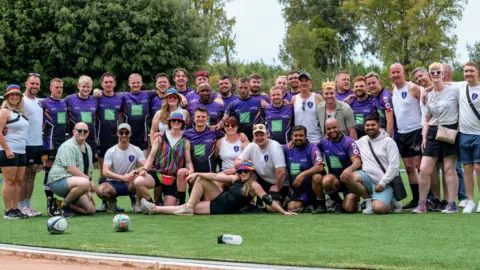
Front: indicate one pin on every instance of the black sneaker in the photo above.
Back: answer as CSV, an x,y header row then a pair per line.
x,y
432,205
51,206
19,213
338,208
441,206
118,209
321,209
67,211
103,207
11,214
363,205
412,204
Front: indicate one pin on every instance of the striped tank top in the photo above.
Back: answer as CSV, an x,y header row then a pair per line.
x,y
169,159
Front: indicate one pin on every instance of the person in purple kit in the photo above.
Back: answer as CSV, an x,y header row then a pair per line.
x,y
342,157
362,105
226,90
383,102
201,77
54,134
305,166
279,117
247,110
342,81
180,77
82,107
162,84
293,81
255,88
206,99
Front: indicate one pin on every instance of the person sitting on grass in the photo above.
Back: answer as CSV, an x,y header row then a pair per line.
x,y
243,189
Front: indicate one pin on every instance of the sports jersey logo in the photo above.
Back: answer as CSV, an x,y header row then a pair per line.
x,y
131,158
265,158
404,95
387,105
385,99
236,148
310,104
474,96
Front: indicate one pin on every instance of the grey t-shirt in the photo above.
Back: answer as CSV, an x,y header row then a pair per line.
x,y
469,122
443,106
123,161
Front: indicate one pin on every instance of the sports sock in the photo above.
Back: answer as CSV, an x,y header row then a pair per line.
x,y
334,196
27,203
415,195
132,198
21,204
181,197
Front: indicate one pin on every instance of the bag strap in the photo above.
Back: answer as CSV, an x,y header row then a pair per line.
x,y
376,158
471,105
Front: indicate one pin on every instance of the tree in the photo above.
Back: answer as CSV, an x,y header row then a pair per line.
x,y
68,38
474,52
411,32
327,27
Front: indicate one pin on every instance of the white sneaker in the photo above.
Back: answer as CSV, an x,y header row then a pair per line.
x,y
463,203
369,208
30,212
396,206
469,207
478,209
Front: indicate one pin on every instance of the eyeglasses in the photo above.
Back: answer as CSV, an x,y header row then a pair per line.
x,y
435,72
230,126
33,75
124,133
243,172
303,105
172,97
80,131
176,121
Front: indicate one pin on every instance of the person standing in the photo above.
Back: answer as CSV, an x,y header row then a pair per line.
x,y
278,116
362,105
292,78
383,102
342,83
226,88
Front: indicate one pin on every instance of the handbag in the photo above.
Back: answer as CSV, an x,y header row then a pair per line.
x,y
447,135
471,104
399,192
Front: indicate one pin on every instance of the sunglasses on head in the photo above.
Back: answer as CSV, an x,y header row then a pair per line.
x,y
33,75
80,131
435,72
243,172
126,133
258,127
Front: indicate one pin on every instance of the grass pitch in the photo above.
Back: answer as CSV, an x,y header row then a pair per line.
x,y
401,241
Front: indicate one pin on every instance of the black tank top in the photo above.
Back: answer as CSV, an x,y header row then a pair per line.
x,y
235,196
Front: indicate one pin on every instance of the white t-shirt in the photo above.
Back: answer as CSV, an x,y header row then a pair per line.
x,y
443,106
469,122
34,113
123,161
265,161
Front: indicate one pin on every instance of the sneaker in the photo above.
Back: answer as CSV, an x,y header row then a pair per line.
x,y
33,213
410,205
433,205
103,207
132,207
184,211
363,205
111,206
463,203
396,206
51,206
147,207
368,207
469,208
118,209
441,206
137,209
321,208
330,203
478,209
67,211
451,208
421,208
12,214
338,208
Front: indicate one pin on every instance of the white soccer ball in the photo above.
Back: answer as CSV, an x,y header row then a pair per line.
x,y
121,223
56,225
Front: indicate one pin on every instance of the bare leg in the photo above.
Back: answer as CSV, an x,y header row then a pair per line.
x,y
477,170
379,207
451,178
170,200
78,186
468,178
10,188
84,206
142,185
435,183
106,192
411,168
350,203
29,181
356,186
19,182
426,169
203,187
317,186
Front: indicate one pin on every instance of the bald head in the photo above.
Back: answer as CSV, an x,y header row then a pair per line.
x,y
447,73
80,132
331,122
397,74
81,125
332,129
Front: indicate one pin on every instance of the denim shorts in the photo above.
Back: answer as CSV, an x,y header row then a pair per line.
x,y
60,187
469,149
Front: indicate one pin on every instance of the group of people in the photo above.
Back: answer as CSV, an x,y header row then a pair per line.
x,y
294,150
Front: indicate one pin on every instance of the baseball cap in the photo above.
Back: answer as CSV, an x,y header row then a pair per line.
x,y
201,73
305,74
13,89
176,116
124,126
259,128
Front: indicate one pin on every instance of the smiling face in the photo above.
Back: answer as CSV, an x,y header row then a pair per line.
x,y
397,74
255,85
329,95
162,84
305,84
360,89
173,100
343,82
79,132
135,84
276,96
84,89
436,74
13,99
372,128
293,80
224,86
33,85
299,138
108,84
180,79
200,119
421,78
201,79
470,73
124,135
204,94
374,85
244,175
261,139
332,129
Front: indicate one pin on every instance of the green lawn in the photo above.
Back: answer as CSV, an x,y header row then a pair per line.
x,y
401,241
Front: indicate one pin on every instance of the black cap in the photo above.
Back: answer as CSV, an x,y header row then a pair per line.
x,y
219,239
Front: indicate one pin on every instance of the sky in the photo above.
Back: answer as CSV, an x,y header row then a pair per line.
x,y
260,29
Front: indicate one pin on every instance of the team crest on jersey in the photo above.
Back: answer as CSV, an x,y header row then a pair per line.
x,y
387,105
474,96
131,158
404,95
385,99
236,148
310,104
265,158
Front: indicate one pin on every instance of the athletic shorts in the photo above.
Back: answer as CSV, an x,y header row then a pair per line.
x,y
121,188
205,166
409,144
19,160
102,150
384,196
167,190
439,149
343,187
34,154
50,154
304,193
276,196
60,187
469,148
222,204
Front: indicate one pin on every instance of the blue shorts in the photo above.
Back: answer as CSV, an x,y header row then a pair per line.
x,y
469,148
384,196
121,188
60,187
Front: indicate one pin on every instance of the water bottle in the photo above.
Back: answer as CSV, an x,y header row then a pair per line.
x,y
229,239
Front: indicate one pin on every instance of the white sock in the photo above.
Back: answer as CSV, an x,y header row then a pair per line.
x,y
21,204
27,203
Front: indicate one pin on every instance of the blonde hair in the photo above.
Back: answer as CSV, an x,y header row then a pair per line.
x,y
165,111
20,105
436,65
133,75
247,187
55,80
84,79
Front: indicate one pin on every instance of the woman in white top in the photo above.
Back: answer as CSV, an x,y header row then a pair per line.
x,y
13,159
170,104
442,110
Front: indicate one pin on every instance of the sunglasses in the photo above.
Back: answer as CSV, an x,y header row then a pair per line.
x,y
172,97
80,131
303,105
122,133
176,121
259,126
243,172
33,75
436,72
230,126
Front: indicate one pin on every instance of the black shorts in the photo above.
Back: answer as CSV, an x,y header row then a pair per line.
x,y
223,205
94,147
276,196
34,154
409,144
102,150
166,190
205,166
20,160
50,154
121,188
143,145
440,149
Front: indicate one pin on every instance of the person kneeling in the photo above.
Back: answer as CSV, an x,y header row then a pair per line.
x,y
244,187
70,174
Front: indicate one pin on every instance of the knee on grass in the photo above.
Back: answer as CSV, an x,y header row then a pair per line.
x,y
379,207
